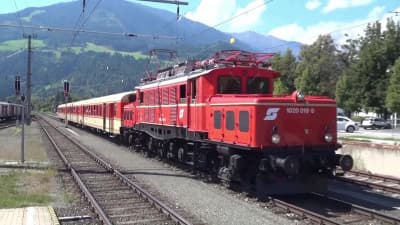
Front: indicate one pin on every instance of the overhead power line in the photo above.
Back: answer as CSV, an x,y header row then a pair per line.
x,y
18,15
337,30
57,29
166,1
84,22
231,18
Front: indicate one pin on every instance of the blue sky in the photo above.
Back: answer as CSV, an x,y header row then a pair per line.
x,y
300,20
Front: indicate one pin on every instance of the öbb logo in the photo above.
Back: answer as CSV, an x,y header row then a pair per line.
x,y
271,114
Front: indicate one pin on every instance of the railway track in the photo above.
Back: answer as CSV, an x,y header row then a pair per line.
x,y
384,183
320,209
7,124
115,198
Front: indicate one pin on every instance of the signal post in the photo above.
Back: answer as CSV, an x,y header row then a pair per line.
x,y
17,86
66,93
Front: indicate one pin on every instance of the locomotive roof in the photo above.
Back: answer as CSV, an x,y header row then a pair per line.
x,y
104,99
190,70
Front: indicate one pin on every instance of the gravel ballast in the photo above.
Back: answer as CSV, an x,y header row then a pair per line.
x,y
208,202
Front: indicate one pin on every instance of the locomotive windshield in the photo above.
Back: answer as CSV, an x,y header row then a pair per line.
x,y
257,85
229,85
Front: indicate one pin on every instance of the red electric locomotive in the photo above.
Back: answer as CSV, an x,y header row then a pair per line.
x,y
221,115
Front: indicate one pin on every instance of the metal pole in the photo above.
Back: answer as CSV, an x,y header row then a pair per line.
x,y
22,134
28,83
66,118
19,119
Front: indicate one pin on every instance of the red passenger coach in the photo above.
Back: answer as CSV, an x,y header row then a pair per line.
x,y
103,114
221,115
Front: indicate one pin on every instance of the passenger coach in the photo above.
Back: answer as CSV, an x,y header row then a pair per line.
x,y
103,114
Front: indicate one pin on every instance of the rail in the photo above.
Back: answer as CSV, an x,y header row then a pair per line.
x,y
371,180
171,213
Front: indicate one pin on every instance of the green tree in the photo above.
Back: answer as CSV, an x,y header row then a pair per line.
x,y
348,95
319,67
370,69
393,93
286,65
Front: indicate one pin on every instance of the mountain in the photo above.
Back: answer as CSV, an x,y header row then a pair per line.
x,y
98,64
267,43
117,16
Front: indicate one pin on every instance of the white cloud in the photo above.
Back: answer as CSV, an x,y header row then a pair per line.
x,y
249,16
340,31
342,4
313,4
376,12
213,12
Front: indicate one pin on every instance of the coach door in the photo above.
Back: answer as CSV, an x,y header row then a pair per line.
x,y
111,117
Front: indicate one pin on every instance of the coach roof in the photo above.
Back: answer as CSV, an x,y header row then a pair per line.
x,y
104,99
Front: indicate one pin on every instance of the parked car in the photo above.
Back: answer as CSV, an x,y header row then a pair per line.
x,y
346,124
375,123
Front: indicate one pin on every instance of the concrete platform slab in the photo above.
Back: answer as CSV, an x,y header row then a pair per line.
x,y
29,216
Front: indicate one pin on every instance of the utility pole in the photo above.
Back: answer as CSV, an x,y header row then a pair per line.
x,y
28,79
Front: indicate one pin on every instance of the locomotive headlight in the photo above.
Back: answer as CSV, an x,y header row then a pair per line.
x,y
300,96
328,137
275,138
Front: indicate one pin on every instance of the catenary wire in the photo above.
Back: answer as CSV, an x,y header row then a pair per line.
x,y
57,29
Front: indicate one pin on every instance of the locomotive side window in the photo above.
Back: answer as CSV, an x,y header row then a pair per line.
x,y
217,119
229,85
257,85
182,91
141,97
244,121
194,89
230,120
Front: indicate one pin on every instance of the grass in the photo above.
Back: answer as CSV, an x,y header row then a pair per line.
x,y
14,45
359,137
355,139
91,47
21,188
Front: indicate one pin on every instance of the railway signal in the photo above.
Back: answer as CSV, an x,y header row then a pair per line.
x,y
17,85
66,88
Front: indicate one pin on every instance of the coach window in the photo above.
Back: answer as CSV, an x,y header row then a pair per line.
x,y
229,85
217,119
230,120
258,85
182,92
243,121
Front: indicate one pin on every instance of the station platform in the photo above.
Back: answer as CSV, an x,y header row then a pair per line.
x,y
43,215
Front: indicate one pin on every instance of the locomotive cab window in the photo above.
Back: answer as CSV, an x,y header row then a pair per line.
x,y
229,85
257,85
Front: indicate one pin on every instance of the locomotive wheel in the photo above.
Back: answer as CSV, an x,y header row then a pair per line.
x,y
130,141
161,153
171,151
181,154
